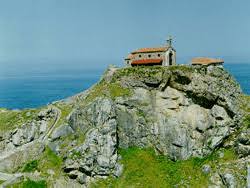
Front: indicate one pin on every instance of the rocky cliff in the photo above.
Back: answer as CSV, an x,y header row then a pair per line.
x,y
181,112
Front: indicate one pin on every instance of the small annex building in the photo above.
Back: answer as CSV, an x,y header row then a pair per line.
x,y
164,56
206,61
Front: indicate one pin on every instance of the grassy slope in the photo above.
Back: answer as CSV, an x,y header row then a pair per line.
x,y
30,184
47,161
10,119
246,107
104,89
143,168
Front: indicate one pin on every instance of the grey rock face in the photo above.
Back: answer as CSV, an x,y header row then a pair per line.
x,y
118,170
243,143
23,144
181,112
16,138
171,122
46,113
61,131
97,156
229,180
43,126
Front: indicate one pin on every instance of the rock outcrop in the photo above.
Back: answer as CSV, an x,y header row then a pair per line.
x,y
97,156
23,143
181,112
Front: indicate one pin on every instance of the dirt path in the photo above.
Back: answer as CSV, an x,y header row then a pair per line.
x,y
58,116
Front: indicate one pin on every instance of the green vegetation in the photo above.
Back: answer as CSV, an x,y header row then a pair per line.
x,y
143,72
10,119
65,111
103,89
116,90
245,106
34,184
30,166
151,72
49,160
140,113
65,145
143,168
30,184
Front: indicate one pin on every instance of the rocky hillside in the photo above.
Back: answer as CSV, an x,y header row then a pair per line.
x,y
166,120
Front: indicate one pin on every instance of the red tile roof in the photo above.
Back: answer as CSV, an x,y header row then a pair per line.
x,y
146,61
205,61
145,50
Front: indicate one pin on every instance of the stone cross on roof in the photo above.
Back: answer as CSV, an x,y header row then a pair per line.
x,y
169,41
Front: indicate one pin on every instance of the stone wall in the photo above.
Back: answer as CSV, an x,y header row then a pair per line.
x,y
166,60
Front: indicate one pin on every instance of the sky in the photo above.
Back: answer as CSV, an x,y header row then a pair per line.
x,y
96,33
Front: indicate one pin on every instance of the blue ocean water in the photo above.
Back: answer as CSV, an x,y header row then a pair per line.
x,y
241,72
20,90
39,87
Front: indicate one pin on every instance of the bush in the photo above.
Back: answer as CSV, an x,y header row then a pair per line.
x,y
34,184
31,166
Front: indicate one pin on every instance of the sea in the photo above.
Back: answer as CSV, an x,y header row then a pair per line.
x,y
38,87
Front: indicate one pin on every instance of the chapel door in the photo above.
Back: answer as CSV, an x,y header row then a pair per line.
x,y
170,58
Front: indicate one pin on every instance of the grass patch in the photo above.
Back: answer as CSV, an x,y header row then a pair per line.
x,y
143,168
139,72
49,160
30,184
140,113
10,119
34,184
66,143
103,89
245,106
30,166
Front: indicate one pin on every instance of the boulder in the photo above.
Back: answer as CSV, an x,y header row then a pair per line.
x,y
17,137
219,112
43,127
243,143
118,170
229,180
206,169
63,130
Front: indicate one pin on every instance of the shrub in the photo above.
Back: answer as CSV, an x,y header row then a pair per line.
x,y
30,166
34,184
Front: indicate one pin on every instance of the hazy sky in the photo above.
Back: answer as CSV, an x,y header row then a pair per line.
x,y
103,31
